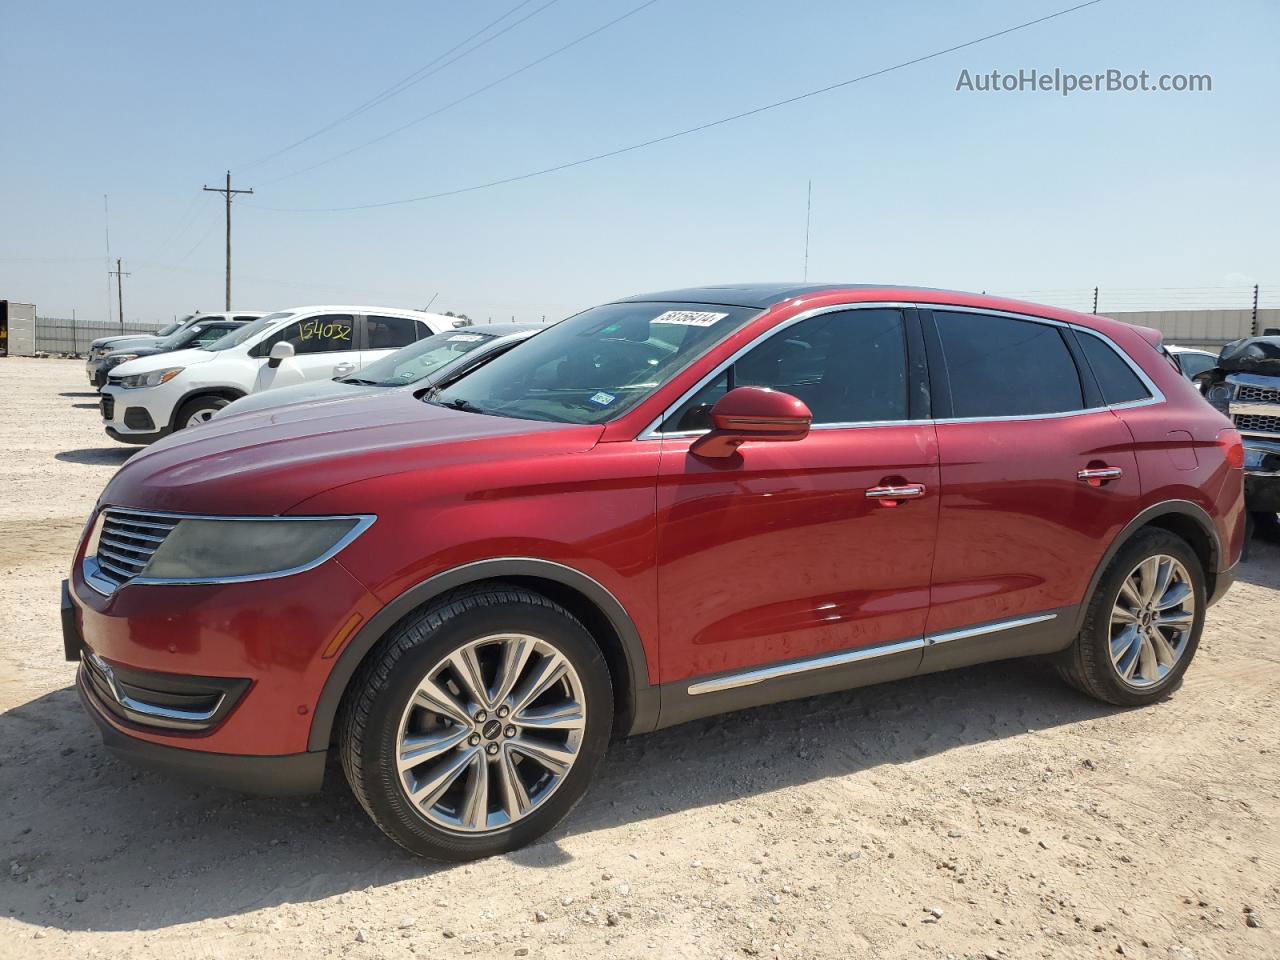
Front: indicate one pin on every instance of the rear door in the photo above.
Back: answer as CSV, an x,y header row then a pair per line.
x,y
1037,476
383,335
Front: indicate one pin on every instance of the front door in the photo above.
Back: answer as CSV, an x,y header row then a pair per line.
x,y
384,335
1037,478
782,554
324,347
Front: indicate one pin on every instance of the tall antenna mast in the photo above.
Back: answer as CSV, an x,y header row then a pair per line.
x,y
808,210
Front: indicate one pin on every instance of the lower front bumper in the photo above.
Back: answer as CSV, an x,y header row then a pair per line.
x,y
139,438
291,774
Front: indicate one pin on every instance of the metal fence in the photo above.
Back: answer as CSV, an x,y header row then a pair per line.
x,y
71,336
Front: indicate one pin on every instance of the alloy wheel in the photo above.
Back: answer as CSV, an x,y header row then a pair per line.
x,y
490,733
203,415
1151,620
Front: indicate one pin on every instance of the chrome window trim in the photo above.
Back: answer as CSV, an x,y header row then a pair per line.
x,y
746,678
650,432
89,565
1157,395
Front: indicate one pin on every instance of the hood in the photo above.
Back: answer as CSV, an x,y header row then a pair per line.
x,y
159,361
1252,355
264,463
124,343
313,391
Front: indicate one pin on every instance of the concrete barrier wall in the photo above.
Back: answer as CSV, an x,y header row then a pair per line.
x,y
1206,328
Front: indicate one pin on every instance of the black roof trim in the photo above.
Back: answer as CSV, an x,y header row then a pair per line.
x,y
759,294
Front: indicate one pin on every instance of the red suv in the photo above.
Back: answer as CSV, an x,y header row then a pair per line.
x,y
670,506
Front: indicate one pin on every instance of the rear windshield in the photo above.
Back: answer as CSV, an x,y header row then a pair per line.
x,y
597,365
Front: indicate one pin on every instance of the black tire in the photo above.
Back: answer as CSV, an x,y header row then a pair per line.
x,y
198,405
369,719
1087,665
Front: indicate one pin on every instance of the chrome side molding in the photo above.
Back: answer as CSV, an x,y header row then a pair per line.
x,y
762,674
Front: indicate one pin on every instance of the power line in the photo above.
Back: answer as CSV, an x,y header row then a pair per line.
x,y
691,130
417,76
474,93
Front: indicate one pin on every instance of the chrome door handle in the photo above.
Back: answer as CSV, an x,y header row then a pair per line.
x,y
1096,476
890,495
341,368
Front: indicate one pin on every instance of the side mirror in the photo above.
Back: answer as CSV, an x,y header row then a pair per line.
x,y
279,353
753,413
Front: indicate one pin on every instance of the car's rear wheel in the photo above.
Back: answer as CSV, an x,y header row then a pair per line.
x,y
198,411
477,724
1143,623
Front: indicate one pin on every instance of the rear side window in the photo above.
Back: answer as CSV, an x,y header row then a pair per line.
x,y
390,333
1003,367
1116,379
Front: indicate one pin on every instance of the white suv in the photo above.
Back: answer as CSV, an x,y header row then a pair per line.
x,y
148,398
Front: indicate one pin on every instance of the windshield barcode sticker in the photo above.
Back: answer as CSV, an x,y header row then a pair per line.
x,y
604,399
465,338
688,318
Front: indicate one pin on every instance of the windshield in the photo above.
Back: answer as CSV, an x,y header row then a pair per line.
x,y
410,364
598,364
248,331
178,337
169,328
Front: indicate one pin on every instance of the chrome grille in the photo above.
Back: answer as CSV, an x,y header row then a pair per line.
x,y
127,540
1254,423
1246,391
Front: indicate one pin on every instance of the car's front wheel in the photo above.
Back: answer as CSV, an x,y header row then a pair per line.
x,y
477,724
198,411
1143,622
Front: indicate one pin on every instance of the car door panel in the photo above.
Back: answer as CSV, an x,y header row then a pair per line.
x,y
780,555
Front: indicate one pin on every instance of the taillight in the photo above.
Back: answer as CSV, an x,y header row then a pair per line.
x,y
1232,448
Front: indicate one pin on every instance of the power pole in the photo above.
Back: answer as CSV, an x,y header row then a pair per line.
x,y
227,192
1095,299
119,275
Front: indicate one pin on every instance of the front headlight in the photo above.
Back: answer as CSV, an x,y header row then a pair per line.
x,y
112,361
152,379
217,549
1219,395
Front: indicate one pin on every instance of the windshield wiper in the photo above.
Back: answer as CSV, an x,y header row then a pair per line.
x,y
459,403
367,383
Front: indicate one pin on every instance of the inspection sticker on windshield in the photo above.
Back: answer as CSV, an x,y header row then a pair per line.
x,y
602,398
465,338
688,318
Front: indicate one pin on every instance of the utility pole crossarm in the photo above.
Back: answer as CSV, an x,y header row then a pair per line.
x,y
228,193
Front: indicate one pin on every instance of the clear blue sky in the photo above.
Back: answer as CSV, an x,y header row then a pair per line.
x,y
912,181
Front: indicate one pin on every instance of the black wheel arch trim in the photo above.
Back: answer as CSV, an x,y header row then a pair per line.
x,y
227,393
642,710
1164,508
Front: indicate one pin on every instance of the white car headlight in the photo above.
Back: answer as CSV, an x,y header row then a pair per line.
x,y
152,379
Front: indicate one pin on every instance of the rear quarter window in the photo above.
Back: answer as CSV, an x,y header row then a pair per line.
x,y
1116,379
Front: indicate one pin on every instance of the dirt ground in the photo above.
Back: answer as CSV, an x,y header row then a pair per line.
x,y
1032,822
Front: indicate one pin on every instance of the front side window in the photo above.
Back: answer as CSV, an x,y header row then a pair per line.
x,y
598,364
1116,380
324,333
848,367
422,359
1004,367
249,331
392,333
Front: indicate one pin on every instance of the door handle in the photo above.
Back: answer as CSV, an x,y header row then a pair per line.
x,y
341,368
892,495
1097,476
